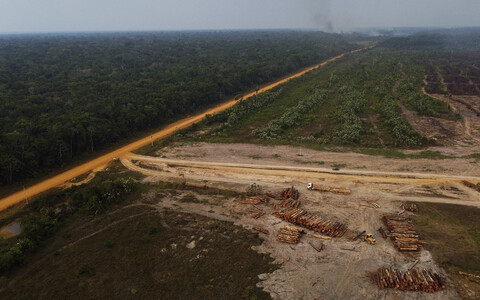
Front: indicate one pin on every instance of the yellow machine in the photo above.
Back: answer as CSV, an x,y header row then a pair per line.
x,y
369,239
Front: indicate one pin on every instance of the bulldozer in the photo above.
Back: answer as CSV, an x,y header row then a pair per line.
x,y
369,239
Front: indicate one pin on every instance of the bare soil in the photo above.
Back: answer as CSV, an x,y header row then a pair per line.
x,y
305,273
297,156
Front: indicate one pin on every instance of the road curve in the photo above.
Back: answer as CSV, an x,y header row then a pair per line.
x,y
167,131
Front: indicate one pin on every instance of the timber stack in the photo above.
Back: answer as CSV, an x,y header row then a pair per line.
x,y
402,232
331,190
290,234
288,203
290,193
257,213
471,185
253,200
312,221
410,207
413,280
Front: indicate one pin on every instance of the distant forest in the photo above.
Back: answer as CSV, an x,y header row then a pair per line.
x,y
62,96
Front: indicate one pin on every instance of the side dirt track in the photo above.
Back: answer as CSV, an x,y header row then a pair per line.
x,y
167,131
370,185
376,175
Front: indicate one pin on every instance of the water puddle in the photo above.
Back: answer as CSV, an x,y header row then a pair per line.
x,y
10,230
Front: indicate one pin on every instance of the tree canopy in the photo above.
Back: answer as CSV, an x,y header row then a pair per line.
x,y
65,95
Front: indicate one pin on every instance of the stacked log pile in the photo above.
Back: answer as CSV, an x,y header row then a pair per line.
x,y
290,234
410,207
471,185
290,193
311,221
288,203
256,213
402,232
413,280
253,201
331,190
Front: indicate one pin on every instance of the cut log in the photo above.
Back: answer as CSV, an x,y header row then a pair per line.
x,y
262,230
318,249
382,232
350,249
469,275
323,237
359,235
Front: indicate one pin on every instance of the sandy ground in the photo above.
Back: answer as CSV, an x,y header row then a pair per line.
x,y
286,155
460,136
167,131
305,274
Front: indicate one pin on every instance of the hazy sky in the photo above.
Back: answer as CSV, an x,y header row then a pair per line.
x,y
339,15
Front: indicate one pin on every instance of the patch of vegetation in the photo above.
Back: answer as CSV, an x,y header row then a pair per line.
x,y
293,115
414,99
338,165
190,198
475,155
64,96
43,216
85,270
221,265
349,102
176,187
310,162
452,235
392,153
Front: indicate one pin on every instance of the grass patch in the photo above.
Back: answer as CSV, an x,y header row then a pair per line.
x,y
452,235
221,265
338,166
475,155
393,153
254,156
310,162
430,155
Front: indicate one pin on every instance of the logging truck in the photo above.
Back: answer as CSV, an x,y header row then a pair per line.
x,y
327,189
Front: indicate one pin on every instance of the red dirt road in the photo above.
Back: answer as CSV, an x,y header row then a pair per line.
x,y
167,131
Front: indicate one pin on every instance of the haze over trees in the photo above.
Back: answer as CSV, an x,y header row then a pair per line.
x,y
62,96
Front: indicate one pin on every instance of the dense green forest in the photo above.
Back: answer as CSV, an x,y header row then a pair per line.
x,y
62,96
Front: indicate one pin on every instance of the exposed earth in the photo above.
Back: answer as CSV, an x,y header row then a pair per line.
x,y
385,182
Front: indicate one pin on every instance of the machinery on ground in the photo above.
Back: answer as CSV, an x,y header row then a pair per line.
x,y
369,239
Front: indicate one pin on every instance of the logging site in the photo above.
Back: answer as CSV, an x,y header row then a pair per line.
x,y
241,164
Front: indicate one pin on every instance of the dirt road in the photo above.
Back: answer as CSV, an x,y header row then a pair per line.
x,y
423,187
379,176
167,131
